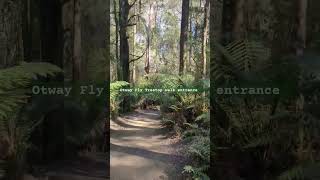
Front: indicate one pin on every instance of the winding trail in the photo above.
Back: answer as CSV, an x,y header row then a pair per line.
x,y
140,149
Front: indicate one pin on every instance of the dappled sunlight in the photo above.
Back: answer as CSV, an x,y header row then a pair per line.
x,y
140,148
135,122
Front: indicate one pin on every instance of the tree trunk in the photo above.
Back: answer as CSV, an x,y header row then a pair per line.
x,y
77,68
302,27
227,21
134,73
238,31
204,37
147,62
124,43
11,43
116,21
183,33
189,64
107,112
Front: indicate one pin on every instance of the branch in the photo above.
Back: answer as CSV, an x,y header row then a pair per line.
x,y
131,17
131,5
148,36
138,57
131,24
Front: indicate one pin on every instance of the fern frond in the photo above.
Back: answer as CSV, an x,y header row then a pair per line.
x,y
248,55
13,81
240,57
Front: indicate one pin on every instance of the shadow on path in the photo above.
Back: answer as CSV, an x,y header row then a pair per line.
x,y
166,158
139,148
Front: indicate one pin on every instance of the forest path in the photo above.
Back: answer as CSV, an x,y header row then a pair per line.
x,y
140,149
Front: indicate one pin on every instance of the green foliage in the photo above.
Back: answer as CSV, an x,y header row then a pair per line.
x,y
198,148
246,60
196,173
171,82
185,113
14,80
116,96
16,129
278,135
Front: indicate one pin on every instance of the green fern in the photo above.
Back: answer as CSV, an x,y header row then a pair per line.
x,y
196,173
115,95
242,59
13,128
14,80
248,55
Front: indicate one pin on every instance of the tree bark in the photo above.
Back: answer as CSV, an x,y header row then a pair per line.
x,y
204,37
124,43
134,67
302,27
107,112
116,21
11,43
189,64
183,33
67,28
227,21
238,31
77,64
147,62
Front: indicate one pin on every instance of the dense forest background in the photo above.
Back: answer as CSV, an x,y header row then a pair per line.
x,y
163,45
187,44
252,44
265,44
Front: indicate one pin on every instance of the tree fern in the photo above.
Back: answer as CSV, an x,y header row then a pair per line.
x,y
248,55
13,81
14,129
242,58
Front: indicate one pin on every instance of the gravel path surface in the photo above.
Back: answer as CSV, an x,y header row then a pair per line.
x,y
140,149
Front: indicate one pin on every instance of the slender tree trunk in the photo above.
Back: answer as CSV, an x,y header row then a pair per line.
x,y
124,43
147,63
107,112
302,27
134,48
183,33
67,28
204,37
188,68
116,21
77,64
27,34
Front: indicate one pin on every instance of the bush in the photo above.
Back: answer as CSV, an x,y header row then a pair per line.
x,y
116,97
198,147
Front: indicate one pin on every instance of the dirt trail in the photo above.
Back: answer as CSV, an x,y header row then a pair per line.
x,y
140,149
